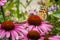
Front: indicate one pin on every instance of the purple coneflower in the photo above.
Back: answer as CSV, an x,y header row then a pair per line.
x,y
35,21
9,29
31,35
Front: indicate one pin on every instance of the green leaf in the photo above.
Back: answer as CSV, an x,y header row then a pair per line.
x,y
11,5
57,14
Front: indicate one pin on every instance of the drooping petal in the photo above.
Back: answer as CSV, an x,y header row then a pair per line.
x,y
2,34
1,4
13,37
48,27
30,28
25,38
44,29
3,1
21,27
7,34
22,30
17,24
21,35
16,35
54,38
42,38
25,25
35,28
41,31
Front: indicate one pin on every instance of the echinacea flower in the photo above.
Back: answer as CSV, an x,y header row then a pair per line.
x,y
2,2
8,29
31,35
34,21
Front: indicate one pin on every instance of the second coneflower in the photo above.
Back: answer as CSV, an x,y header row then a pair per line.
x,y
34,21
31,35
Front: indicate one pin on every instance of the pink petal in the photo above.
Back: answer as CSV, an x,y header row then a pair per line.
x,y
42,33
42,38
47,27
2,34
13,37
25,25
7,34
54,38
25,38
21,27
35,28
4,1
50,26
22,30
20,34
44,28
1,4
16,24
16,35
30,28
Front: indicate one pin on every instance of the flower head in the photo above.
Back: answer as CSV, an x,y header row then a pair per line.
x,y
10,29
7,25
32,35
2,2
35,22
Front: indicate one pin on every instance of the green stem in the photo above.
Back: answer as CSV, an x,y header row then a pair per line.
x,y
23,5
3,13
28,3
17,5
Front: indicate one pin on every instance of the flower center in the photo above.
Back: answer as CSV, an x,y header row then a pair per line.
x,y
34,20
7,25
34,35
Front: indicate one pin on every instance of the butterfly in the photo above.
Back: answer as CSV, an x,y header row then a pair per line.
x,y
42,13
